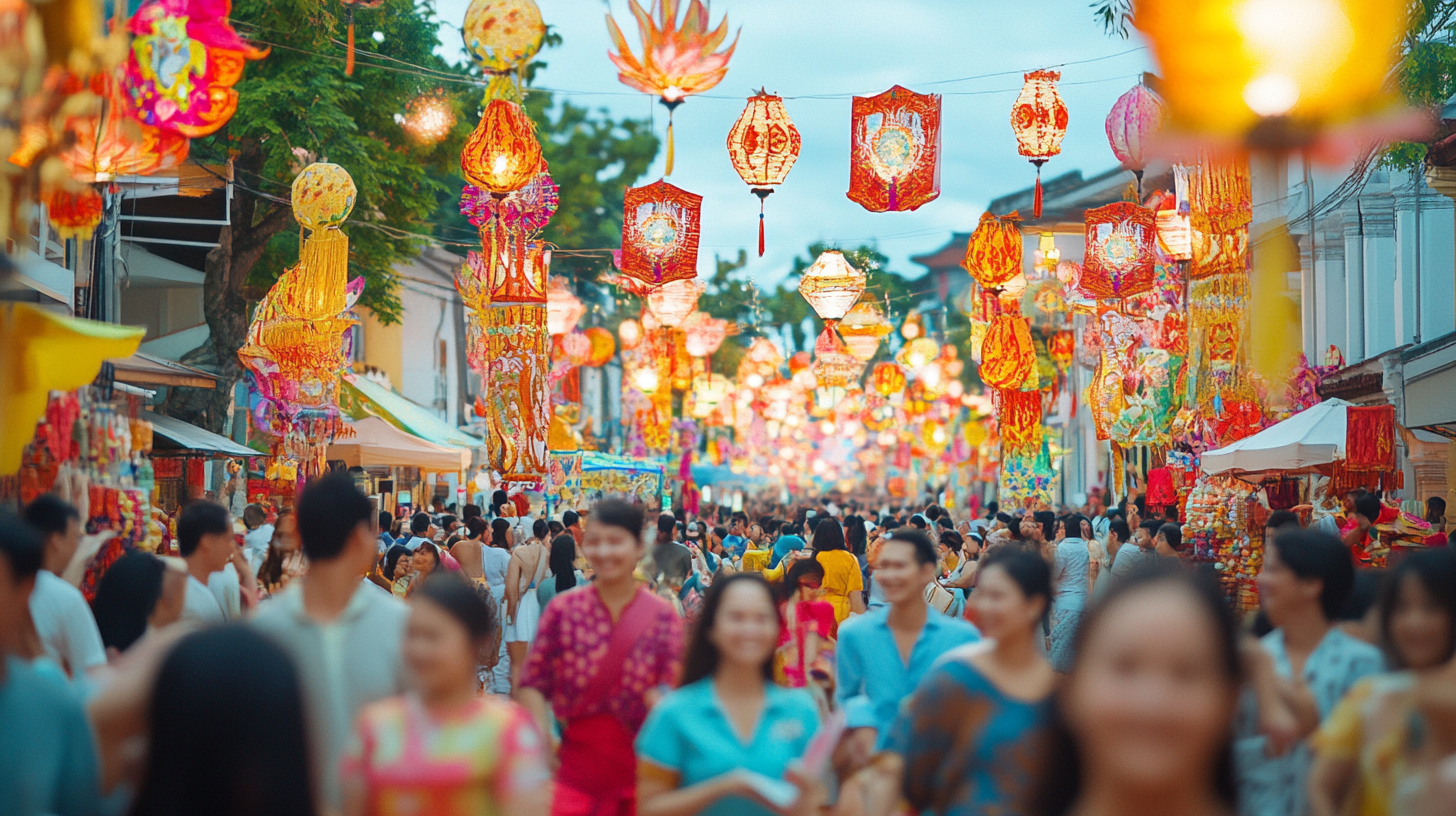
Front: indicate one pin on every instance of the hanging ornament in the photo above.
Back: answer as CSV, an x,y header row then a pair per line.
x,y
517,386
502,155
527,210
660,226
74,214
863,329
703,334
603,346
1134,118
563,308
503,36
672,302
894,154
832,286
833,366
1121,251
109,142
428,119
678,60
1007,355
350,5
763,146
630,333
993,252
1039,120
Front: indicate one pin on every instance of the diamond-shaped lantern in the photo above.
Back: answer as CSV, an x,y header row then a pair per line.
x,y
832,286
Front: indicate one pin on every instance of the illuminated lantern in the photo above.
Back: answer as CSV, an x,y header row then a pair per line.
x,y
630,333
887,379
1007,355
1120,255
834,366
894,154
575,345
863,329
502,154
798,361
1039,120
763,146
503,35
678,60
428,119
1279,73
660,231
73,214
563,309
832,286
672,302
183,63
912,327
110,143
919,352
351,5
1135,116
993,252
708,391
603,346
703,334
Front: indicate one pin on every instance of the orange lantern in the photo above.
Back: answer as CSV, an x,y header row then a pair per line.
x,y
832,286
1121,251
110,143
502,153
894,158
1007,355
1018,414
1061,347
74,215
763,146
993,253
798,361
1039,120
887,379
660,231
834,366
603,347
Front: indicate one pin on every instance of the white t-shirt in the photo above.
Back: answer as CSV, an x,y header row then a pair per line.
x,y
214,602
65,624
493,564
255,545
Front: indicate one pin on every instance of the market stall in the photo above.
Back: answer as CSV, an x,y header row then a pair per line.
x,y
377,443
582,477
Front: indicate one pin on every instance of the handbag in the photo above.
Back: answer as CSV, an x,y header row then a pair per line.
x,y
938,597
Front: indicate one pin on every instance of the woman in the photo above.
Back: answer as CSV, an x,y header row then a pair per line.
x,y
808,624
1436,515
444,749
843,584
1369,750
728,716
1073,572
284,560
967,742
227,730
523,608
564,575
1142,723
602,695
136,594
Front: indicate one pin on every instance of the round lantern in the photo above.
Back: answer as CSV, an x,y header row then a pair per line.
x,y
763,146
1135,116
502,154
673,302
1039,120
993,253
577,347
563,309
503,35
863,329
603,346
1120,254
912,327
918,352
832,286
887,379
323,196
703,334
630,332
1007,355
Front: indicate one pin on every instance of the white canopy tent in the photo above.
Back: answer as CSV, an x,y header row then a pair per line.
x,y
1312,437
378,443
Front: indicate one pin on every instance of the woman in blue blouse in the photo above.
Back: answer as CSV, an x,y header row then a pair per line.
x,y
710,745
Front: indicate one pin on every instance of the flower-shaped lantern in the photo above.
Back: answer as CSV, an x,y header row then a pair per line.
x,y
502,154
660,232
763,146
832,286
1039,120
894,153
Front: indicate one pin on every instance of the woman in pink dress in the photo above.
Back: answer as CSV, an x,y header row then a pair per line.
x,y
443,749
806,640
603,655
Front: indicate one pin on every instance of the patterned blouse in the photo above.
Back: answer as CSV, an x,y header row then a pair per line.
x,y
573,637
469,763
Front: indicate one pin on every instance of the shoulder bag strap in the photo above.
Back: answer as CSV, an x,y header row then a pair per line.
x,y
541,560
630,629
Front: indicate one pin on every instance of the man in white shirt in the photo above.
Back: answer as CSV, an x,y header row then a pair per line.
x,y
258,536
205,539
62,618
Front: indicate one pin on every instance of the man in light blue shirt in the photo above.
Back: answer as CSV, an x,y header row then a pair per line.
x,y
882,654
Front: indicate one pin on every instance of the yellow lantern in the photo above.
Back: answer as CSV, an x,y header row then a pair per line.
x,y
832,286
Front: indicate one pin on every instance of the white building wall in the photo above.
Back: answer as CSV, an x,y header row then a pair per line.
x,y
428,327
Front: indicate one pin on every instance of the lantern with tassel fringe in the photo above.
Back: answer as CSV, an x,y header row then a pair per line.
x,y
894,161
1039,120
763,146
660,226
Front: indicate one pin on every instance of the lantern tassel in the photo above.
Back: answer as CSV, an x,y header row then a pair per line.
x,y
349,58
668,171
760,228
1036,196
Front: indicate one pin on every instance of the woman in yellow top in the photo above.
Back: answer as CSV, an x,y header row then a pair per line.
x,y
843,582
1372,750
757,556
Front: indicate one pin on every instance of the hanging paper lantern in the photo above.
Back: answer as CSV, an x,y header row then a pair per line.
x,y
832,286
350,5
73,214
660,226
703,334
502,154
993,252
894,154
630,333
672,302
1061,347
1039,120
919,352
526,210
603,347
575,345
763,146
503,36
708,391
183,63
519,274
1120,251
1007,355
1175,235
1018,417
428,119
563,309
1134,118
833,365
798,361
110,143
678,60
863,329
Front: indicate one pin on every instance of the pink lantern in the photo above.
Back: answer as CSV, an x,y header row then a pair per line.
x,y
1135,116
703,334
577,346
563,309
672,302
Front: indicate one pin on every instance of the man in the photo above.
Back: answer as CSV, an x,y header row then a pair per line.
x,y
1141,550
62,618
673,560
419,531
756,556
572,521
736,541
47,758
883,654
469,552
259,534
205,539
789,542
1279,520
344,638
1168,540
385,540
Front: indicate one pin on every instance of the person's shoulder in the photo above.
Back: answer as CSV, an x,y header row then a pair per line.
x,y
41,691
856,625
957,628
54,589
1356,651
796,702
383,712
688,700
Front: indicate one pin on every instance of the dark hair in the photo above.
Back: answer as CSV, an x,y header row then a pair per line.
x,y
617,513
1048,521
1363,594
475,526
227,730
22,546
1171,533
563,561
918,521
701,658
933,512
1436,570
813,522
429,547
828,536
270,572
1435,509
455,595
329,510
254,516
1153,526
49,514
126,596
855,535
1060,784
1073,523
666,525
540,528
1279,519
951,539
200,518
469,512
1025,566
1312,554
446,520
391,559
498,528
570,517
419,523
801,569
384,520
917,539
673,562
1118,528
1368,505
497,499
555,528
992,509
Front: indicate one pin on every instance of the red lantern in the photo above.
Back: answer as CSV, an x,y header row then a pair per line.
x,y
763,146
894,154
1134,117
993,253
110,143
1007,355
1121,251
660,225
1039,119
1018,414
73,214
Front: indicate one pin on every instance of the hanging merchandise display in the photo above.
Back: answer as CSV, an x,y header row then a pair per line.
x,y
832,286
894,153
993,252
763,146
862,330
350,6
503,36
1134,118
679,59
1121,244
1007,356
1039,120
660,232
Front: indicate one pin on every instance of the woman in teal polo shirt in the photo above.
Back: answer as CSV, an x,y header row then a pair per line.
x,y
707,746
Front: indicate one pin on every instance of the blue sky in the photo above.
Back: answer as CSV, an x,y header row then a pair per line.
x,y
845,47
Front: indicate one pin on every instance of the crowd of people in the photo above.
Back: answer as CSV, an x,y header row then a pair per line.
x,y
842,656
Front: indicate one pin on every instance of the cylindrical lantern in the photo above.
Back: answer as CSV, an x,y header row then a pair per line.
x,y
832,286
1007,355
672,302
993,253
763,146
1120,253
